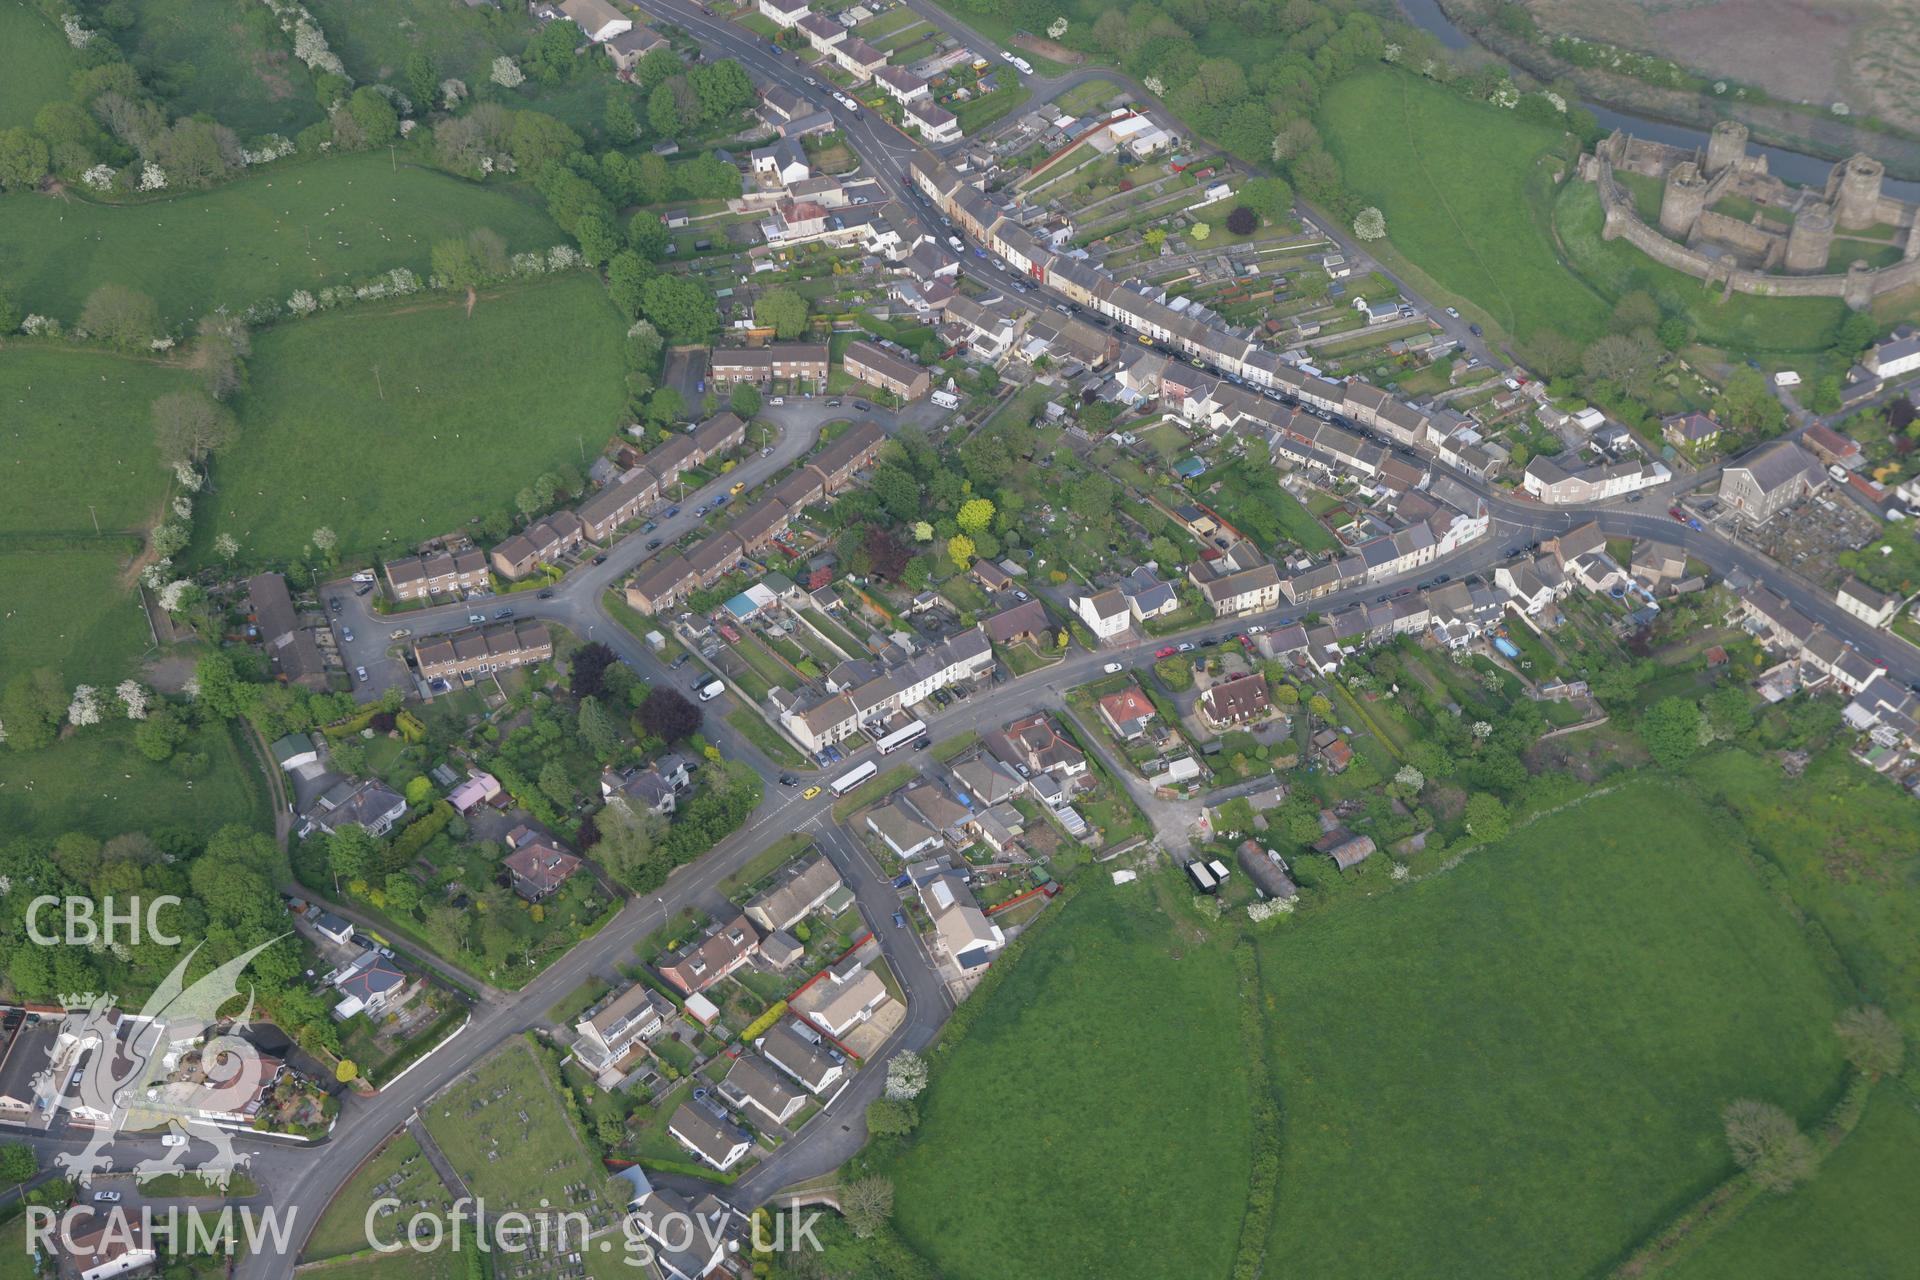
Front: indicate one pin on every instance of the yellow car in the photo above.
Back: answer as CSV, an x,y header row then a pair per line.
x,y
810,793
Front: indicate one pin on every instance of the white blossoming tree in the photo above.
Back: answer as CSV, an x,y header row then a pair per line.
x,y
1410,778
1056,28
85,707
507,73
226,546
906,1076
152,177
1155,85
302,303
98,178
154,576
452,92
1370,224
174,596
1481,730
134,697
183,506
186,476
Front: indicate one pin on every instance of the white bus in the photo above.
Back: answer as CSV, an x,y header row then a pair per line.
x,y
899,738
853,778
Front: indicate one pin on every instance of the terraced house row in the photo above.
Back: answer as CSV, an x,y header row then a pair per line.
x,y
595,519
1250,375
668,580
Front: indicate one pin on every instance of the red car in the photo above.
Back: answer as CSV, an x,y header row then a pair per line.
x,y
1167,652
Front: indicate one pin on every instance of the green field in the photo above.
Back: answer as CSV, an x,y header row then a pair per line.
x,y
396,421
96,782
1461,184
1070,1136
78,449
1846,1222
226,58
1544,1035
1743,322
338,220
374,37
34,62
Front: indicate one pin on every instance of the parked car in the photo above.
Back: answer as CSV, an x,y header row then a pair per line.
x,y
399,633
106,1197
1454,312
833,404
334,604
648,527
899,919
362,589
653,544
1021,596
1113,668
346,634
862,406
173,1140
503,613
1167,652
601,558
547,594
1636,497
1185,646
360,674
476,618
672,512
1256,629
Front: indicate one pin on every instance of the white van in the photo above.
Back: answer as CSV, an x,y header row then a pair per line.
x,y
712,689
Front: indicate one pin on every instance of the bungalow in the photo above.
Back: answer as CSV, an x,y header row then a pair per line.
x,y
845,1000
751,1082
800,1054
717,1144
539,869
1127,713
983,781
1023,623
368,984
960,928
1236,701
902,830
876,366
478,789
353,802
799,893
699,964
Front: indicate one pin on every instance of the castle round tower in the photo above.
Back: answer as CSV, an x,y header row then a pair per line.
x,y
1726,146
1683,200
1810,241
1854,191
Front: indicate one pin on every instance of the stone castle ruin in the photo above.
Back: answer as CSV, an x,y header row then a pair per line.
x,y
1784,246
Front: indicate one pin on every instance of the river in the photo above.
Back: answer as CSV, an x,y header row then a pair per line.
x,y
1789,166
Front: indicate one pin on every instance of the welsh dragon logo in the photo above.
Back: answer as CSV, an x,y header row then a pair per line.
x,y
124,1086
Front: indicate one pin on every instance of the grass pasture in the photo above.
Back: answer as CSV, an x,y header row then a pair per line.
x,y
1459,183
72,610
226,58
461,413
1846,1222
337,220
1112,1148
375,37
1545,1034
34,62
94,781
